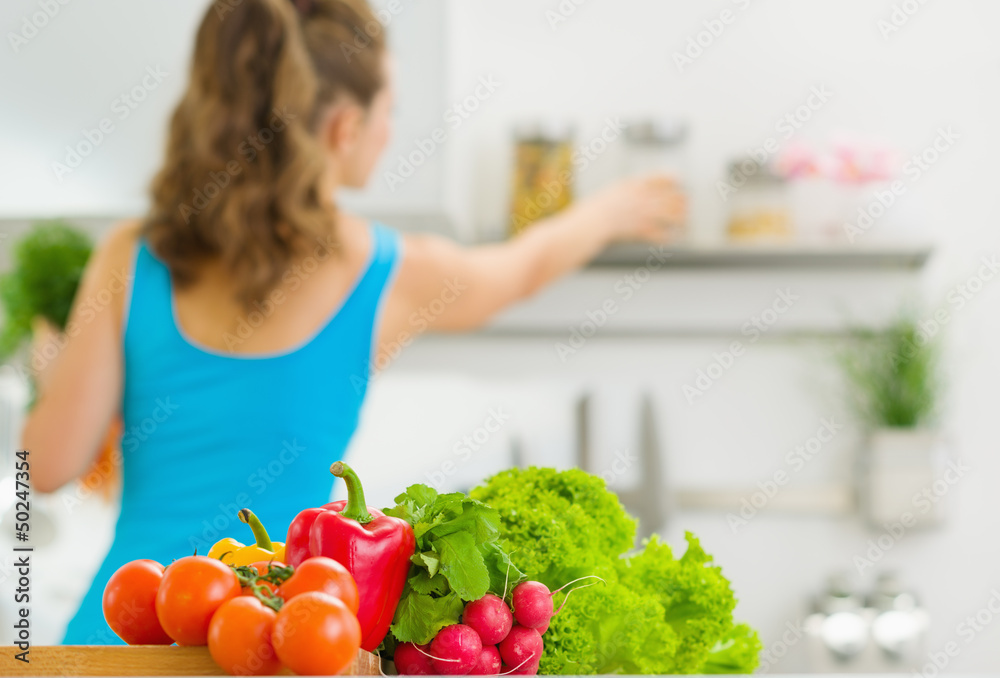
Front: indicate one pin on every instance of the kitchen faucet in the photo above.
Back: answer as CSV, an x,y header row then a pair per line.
x,y
648,498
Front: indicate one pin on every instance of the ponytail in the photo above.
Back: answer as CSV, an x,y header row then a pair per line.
x,y
242,180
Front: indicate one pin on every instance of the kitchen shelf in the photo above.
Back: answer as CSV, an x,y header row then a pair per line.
x,y
911,256
704,292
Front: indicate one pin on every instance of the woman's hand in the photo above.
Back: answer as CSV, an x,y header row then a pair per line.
x,y
649,208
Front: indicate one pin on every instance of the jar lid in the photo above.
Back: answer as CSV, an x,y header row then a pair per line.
x,y
656,132
749,169
544,130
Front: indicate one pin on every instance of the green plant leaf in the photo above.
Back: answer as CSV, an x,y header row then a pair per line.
x,y
419,616
478,519
462,565
504,575
427,559
893,375
423,583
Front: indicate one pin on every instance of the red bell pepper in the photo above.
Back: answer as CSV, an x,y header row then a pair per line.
x,y
374,547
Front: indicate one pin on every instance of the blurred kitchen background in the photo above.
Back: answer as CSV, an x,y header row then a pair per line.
x,y
841,160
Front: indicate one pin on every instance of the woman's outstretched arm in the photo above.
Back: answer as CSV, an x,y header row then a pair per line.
x,y
476,283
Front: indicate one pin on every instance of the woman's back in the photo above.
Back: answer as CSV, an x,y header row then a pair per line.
x,y
208,432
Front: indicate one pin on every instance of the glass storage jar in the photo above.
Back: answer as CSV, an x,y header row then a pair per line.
x,y
542,182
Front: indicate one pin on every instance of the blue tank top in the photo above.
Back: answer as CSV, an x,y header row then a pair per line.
x,y
206,433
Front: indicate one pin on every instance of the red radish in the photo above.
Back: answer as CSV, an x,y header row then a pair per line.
x,y
490,617
521,648
412,660
489,662
455,650
532,602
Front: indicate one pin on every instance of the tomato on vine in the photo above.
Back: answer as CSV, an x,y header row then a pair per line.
x,y
322,574
239,638
316,634
193,588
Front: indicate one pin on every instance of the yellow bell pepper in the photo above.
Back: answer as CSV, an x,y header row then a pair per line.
x,y
232,552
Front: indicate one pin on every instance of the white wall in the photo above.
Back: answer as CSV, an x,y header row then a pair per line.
x,y
67,76
416,30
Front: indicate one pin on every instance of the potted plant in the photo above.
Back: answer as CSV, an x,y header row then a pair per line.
x,y
894,382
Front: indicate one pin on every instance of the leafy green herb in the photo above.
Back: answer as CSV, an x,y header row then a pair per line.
x,y
503,573
457,559
47,266
463,565
420,616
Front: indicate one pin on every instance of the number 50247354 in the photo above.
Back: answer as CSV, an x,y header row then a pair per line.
x,y
21,478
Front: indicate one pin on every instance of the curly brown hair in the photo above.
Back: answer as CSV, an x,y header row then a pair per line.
x,y
242,179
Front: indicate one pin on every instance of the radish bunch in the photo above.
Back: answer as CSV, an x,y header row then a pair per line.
x,y
492,638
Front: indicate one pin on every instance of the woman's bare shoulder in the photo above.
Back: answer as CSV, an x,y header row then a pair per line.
x,y
122,237
424,254
110,267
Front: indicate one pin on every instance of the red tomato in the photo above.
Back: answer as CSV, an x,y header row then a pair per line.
x,y
239,638
192,590
316,634
322,574
130,603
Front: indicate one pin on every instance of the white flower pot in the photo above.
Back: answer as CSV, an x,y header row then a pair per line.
x,y
903,478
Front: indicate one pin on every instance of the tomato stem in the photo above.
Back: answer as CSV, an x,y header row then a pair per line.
x,y
266,596
250,578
